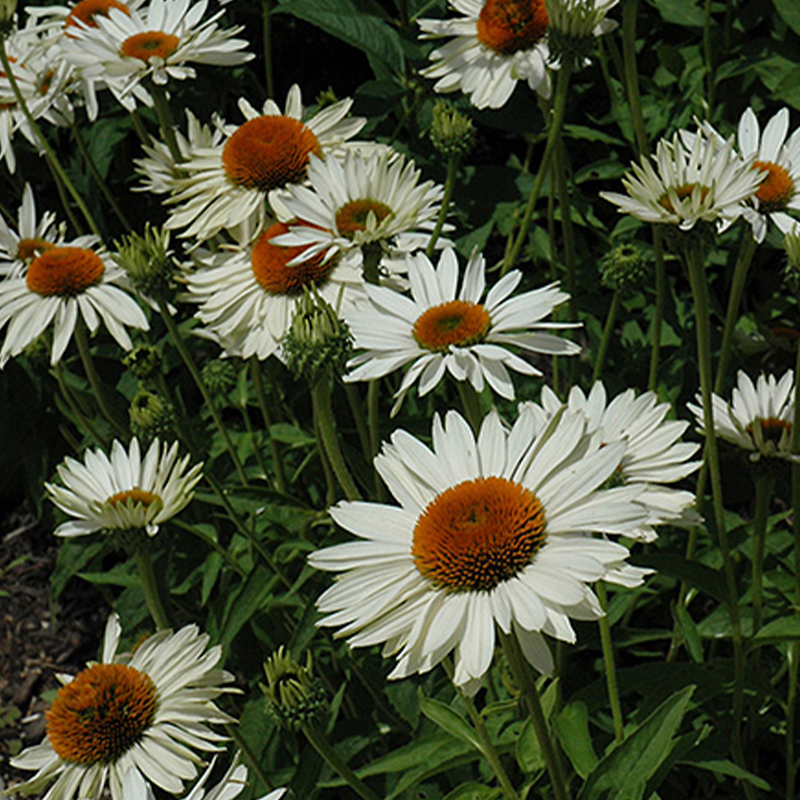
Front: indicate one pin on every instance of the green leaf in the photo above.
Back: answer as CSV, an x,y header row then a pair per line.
x,y
724,767
623,773
341,18
437,749
789,11
572,728
472,791
689,630
699,576
778,630
242,605
681,12
449,720
528,750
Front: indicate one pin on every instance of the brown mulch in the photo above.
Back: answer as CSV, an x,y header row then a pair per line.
x,y
38,638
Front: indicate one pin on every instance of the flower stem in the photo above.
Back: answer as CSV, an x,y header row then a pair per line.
x,y
323,414
764,485
530,696
604,342
94,380
81,418
697,278
208,400
631,73
449,185
658,311
320,743
147,578
165,122
610,666
471,403
277,462
266,29
559,107
52,159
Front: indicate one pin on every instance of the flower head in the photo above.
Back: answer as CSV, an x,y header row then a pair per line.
x,y
491,532
496,44
146,711
224,183
467,332
125,491
758,418
697,178
59,284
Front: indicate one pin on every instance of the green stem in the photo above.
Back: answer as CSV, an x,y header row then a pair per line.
x,y
94,380
330,478
147,578
374,426
165,122
320,743
658,312
631,73
52,159
252,759
791,721
323,413
520,669
266,29
108,195
610,665
357,412
697,278
559,108
708,55
764,486
743,262
277,460
81,419
449,185
471,403
604,342
208,400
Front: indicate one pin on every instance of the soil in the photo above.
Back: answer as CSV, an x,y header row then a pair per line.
x,y
38,638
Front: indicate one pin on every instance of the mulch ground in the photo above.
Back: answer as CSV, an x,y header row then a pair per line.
x,y
38,638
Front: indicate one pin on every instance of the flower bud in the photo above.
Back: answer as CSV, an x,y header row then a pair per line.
x,y
219,375
572,27
791,245
144,361
151,417
147,260
294,696
623,268
453,133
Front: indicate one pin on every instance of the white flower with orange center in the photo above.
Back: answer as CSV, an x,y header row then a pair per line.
x,y
496,44
698,177
465,331
146,711
247,297
121,47
226,183
778,158
123,492
60,285
758,417
493,532
361,201
653,455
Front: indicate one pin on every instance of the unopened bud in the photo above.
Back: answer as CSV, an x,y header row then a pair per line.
x,y
143,361
294,696
147,260
623,268
453,133
219,375
151,417
572,26
8,8
791,245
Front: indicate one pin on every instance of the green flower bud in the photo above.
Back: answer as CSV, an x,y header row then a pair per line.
x,y
143,361
147,260
327,98
294,696
219,375
791,245
571,28
151,417
7,10
623,268
38,351
453,133
317,341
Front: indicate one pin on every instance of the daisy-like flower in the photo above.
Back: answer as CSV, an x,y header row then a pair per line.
x,y
146,711
490,533
122,47
125,491
697,178
61,283
758,418
778,159
247,297
653,454
83,13
466,332
19,247
226,182
360,201
496,44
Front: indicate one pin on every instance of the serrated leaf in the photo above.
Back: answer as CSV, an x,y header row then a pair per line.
x,y
448,719
623,773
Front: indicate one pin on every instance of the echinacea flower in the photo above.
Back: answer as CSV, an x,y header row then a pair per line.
x,y
462,330
493,532
758,418
696,178
226,182
125,491
248,296
147,711
496,44
60,285
359,201
123,46
653,454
